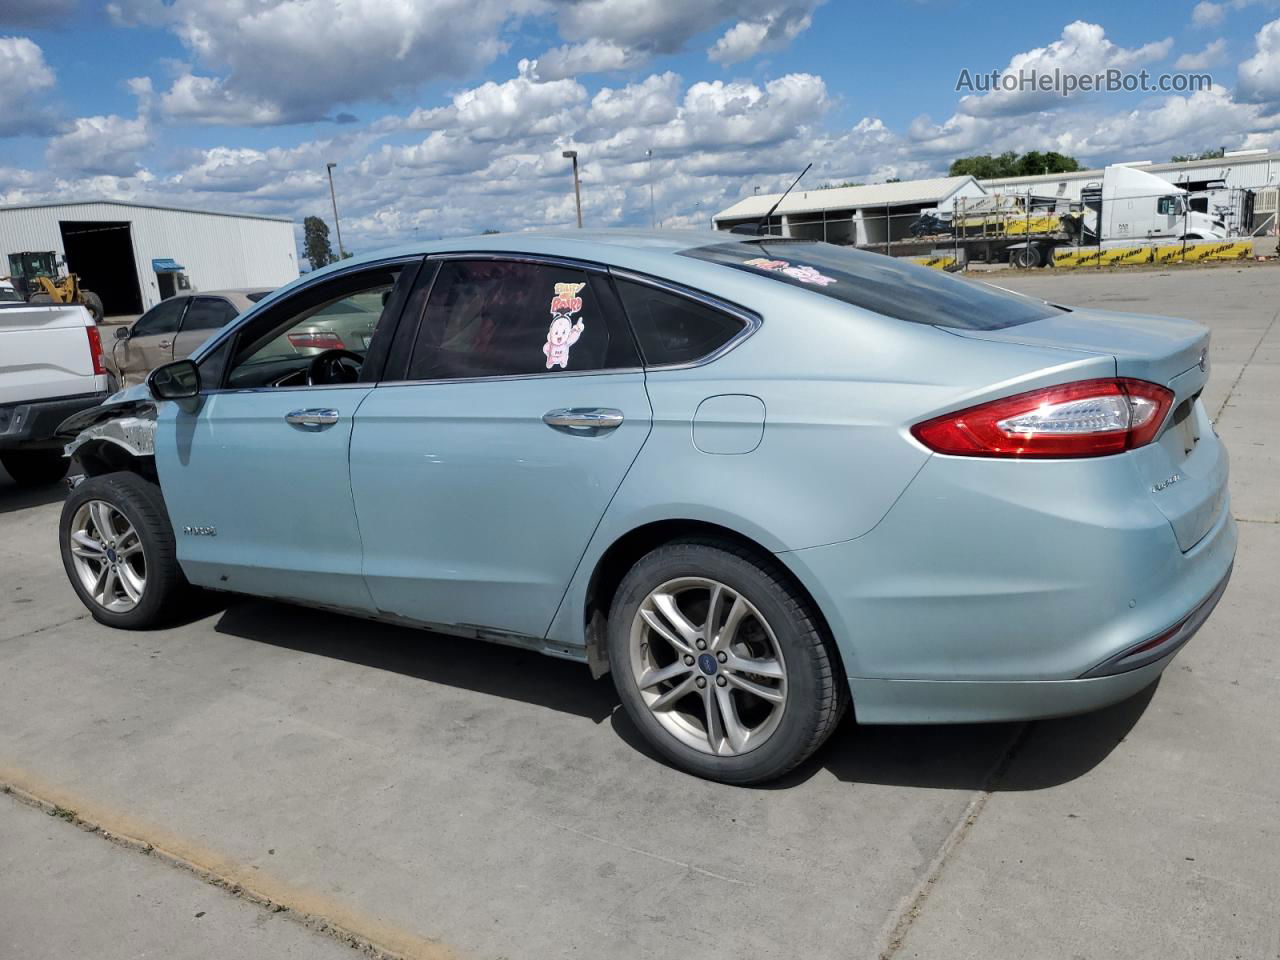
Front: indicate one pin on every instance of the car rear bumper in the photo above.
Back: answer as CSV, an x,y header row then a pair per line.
x,y
36,423
993,701
985,701
1000,591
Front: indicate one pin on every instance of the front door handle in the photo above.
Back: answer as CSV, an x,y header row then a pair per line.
x,y
317,417
165,344
583,421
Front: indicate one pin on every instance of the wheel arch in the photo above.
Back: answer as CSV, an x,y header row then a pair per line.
x,y
103,455
623,553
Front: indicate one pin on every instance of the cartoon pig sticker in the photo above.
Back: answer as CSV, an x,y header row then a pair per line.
x,y
563,332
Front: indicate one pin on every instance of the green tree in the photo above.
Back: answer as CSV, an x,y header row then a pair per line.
x,y
488,230
1009,164
1217,154
315,243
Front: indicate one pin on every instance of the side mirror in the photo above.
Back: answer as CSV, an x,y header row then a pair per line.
x,y
124,332
179,380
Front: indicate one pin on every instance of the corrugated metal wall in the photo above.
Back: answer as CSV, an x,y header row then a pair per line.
x,y
218,251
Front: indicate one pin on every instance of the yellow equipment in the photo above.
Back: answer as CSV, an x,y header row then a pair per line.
x,y
36,277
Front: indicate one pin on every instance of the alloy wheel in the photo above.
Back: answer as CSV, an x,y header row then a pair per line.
x,y
108,557
708,666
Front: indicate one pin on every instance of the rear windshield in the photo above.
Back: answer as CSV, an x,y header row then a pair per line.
x,y
885,285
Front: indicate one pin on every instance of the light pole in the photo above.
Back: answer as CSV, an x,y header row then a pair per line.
x,y
653,216
577,190
342,254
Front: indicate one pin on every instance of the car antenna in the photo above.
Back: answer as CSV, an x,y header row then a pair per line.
x,y
760,226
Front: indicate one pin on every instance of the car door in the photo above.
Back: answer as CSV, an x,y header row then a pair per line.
x,y
204,316
150,341
481,466
255,475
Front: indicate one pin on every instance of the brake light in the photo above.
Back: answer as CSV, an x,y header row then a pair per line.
x,y
321,339
95,350
1089,418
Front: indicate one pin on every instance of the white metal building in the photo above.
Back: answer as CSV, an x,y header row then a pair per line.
x,y
1246,169
133,255
874,214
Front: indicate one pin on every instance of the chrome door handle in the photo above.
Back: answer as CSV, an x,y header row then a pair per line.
x,y
165,344
317,417
587,421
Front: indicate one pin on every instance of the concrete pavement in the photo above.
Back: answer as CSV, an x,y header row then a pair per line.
x,y
445,798
67,893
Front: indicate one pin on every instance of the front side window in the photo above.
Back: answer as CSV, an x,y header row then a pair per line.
x,y
880,284
208,313
162,318
674,329
334,320
498,318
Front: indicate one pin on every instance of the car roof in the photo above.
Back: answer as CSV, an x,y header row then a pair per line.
x,y
614,247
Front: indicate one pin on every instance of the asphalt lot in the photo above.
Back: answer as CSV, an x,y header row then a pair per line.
x,y
441,798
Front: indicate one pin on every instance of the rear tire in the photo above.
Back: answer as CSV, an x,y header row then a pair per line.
x,y
1028,258
762,662
94,303
41,298
35,468
119,553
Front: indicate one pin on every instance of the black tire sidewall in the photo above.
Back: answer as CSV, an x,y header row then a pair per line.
x,y
802,649
142,505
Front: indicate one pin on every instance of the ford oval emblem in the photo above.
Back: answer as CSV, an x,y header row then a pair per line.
x,y
707,664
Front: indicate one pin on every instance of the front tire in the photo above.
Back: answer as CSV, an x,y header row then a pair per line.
x,y
721,662
35,468
119,552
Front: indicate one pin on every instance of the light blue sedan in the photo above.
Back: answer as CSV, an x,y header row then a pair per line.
x,y
755,479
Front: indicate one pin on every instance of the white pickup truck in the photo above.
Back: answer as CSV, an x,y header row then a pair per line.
x,y
51,366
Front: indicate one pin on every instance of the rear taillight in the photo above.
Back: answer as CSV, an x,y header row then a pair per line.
x,y
323,340
95,350
1090,418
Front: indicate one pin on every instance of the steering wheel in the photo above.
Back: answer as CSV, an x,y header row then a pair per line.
x,y
334,366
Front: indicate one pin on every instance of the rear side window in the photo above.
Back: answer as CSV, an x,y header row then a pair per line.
x,y
208,313
498,318
162,318
881,284
674,329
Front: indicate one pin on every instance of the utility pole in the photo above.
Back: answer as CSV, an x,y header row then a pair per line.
x,y
577,190
653,216
342,253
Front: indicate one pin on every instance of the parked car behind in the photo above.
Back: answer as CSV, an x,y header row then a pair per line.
x,y
756,479
175,327
51,366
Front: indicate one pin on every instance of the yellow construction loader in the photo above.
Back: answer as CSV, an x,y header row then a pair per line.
x,y
36,277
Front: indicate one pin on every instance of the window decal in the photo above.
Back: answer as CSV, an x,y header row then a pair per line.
x,y
800,272
563,332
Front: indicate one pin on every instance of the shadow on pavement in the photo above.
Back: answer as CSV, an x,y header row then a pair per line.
x,y
477,665
1000,757
14,497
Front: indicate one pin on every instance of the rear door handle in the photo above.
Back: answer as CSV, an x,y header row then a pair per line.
x,y
316,417
583,421
165,344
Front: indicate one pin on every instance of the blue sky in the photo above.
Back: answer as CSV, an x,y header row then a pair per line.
x,y
455,111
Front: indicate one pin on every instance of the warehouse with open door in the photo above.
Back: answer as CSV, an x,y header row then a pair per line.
x,y
134,255
100,252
